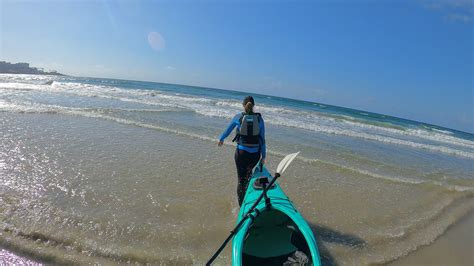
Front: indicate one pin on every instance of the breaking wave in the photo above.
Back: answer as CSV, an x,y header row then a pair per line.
x,y
102,113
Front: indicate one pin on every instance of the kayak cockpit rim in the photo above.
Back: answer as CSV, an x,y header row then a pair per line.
x,y
278,226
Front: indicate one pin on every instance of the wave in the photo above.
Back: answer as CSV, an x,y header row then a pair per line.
x,y
101,113
387,139
394,179
76,251
424,231
38,108
349,122
326,123
276,120
403,230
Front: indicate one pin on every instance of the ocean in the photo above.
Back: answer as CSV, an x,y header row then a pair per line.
x,y
117,171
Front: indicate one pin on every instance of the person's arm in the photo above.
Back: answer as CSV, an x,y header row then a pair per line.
x,y
262,139
229,129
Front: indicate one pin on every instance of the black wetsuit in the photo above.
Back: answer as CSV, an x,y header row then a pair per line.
x,y
245,162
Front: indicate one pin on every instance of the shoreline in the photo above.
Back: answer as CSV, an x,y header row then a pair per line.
x,y
453,247
372,112
457,241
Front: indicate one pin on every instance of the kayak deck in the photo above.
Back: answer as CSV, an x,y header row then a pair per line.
x,y
276,233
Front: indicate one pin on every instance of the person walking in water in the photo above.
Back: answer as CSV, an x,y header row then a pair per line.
x,y
250,138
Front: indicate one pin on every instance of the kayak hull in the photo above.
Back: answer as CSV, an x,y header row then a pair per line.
x,y
275,233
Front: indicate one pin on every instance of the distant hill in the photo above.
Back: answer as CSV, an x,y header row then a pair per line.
x,y
24,68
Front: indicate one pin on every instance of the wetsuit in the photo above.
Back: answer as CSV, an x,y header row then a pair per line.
x,y
246,157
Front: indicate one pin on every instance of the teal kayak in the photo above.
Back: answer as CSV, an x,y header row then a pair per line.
x,y
277,234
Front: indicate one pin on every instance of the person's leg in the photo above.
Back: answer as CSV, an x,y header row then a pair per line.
x,y
252,160
241,171
244,162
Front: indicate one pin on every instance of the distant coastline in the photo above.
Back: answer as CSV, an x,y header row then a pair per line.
x,y
24,68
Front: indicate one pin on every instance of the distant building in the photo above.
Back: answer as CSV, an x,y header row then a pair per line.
x,y
23,68
22,65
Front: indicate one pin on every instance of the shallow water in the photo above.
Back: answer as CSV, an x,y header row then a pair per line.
x,y
105,170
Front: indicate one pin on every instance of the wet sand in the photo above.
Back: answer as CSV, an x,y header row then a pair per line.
x,y
454,247
10,258
358,220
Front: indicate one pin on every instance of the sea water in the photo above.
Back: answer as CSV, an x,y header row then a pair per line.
x,y
106,171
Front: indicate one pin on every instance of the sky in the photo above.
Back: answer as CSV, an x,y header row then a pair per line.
x,y
410,59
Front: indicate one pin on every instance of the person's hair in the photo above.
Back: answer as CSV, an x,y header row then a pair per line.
x,y
248,104
248,108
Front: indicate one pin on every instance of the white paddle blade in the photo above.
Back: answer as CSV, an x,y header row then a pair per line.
x,y
285,162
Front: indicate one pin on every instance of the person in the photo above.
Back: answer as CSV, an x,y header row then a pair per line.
x,y
250,138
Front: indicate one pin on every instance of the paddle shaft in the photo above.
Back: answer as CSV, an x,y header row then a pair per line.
x,y
247,215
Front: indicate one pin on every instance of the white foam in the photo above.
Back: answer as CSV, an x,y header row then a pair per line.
x,y
428,139
99,113
349,126
395,179
442,131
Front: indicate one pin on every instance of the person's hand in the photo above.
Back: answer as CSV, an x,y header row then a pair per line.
x,y
262,161
220,143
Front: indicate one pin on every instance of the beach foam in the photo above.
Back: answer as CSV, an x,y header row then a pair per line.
x,y
281,116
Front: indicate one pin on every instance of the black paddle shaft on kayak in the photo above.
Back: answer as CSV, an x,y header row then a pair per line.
x,y
247,215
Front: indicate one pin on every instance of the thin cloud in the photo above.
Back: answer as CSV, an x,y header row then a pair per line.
x,y
320,92
274,86
110,16
449,4
452,10
453,17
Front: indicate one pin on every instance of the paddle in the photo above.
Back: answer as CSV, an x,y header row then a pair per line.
x,y
280,169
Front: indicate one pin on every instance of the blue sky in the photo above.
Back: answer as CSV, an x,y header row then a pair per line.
x,y
411,59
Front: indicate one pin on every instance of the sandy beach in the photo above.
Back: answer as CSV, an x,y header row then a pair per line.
x,y
105,171
454,247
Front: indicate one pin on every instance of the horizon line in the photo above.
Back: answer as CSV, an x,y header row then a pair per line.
x,y
281,97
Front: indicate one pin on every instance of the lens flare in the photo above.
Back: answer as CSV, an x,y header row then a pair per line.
x,y
156,41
